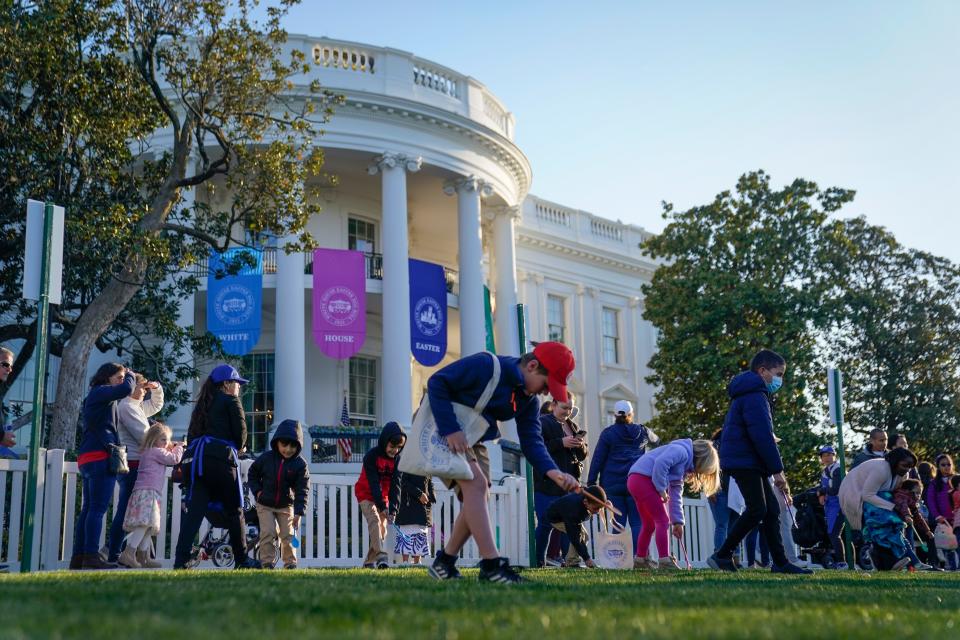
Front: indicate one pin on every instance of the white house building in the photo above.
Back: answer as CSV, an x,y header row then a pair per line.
x,y
428,169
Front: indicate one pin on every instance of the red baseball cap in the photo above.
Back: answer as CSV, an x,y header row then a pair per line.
x,y
558,360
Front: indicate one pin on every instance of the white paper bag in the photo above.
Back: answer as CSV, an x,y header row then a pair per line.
x,y
426,452
614,550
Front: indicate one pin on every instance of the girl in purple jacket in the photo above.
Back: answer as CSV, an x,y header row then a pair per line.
x,y
939,503
656,480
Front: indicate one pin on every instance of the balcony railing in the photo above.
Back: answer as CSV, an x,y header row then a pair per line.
x,y
269,263
373,261
326,447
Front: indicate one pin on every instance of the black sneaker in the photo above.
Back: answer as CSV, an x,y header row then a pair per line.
x,y
790,568
864,561
441,570
721,564
502,573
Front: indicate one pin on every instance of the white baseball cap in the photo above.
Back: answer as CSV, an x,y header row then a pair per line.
x,y
623,406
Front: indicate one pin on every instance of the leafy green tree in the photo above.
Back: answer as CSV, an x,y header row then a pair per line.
x,y
114,109
739,275
894,332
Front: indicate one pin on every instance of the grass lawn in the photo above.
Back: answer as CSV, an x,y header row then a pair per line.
x,y
405,603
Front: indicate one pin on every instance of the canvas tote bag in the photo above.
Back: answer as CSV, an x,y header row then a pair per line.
x,y
426,452
614,550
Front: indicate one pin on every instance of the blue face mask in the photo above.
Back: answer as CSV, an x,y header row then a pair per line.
x,y
774,385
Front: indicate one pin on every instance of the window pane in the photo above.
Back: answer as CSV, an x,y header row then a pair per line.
x,y
363,395
257,398
556,318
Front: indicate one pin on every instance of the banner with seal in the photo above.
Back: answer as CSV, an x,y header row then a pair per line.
x,y
428,312
234,302
339,302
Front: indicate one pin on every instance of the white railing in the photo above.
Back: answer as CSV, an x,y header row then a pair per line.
x,y
607,230
553,215
343,57
437,80
333,533
495,112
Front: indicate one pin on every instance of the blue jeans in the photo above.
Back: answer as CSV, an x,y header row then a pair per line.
x,y
721,516
541,502
126,482
98,485
628,506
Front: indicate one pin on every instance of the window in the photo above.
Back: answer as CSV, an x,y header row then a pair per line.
x,y
361,235
257,398
363,392
556,319
611,336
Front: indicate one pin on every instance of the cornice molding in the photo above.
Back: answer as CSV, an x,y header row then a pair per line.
x,y
585,253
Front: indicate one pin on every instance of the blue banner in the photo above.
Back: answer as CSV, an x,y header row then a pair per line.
x,y
428,312
234,301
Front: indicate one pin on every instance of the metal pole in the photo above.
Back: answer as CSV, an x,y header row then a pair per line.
x,y
36,428
836,413
531,522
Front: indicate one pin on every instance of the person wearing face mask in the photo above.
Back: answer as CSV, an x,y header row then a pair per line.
x,y
749,455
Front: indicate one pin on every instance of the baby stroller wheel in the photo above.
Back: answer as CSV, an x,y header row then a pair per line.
x,y
271,558
223,556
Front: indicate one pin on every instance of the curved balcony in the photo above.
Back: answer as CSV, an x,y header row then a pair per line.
x,y
344,66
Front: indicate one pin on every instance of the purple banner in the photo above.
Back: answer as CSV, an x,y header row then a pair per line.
x,y
339,302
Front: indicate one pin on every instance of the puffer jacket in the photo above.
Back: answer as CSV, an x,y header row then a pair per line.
x,y
279,482
747,438
378,481
619,447
408,508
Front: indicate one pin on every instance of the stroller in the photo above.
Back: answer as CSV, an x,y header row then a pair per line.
x,y
810,531
215,543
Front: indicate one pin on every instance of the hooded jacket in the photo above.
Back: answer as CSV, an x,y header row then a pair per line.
x,y
620,446
380,470
747,438
279,482
866,454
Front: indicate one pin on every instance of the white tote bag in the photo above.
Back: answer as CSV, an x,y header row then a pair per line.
x,y
614,549
426,452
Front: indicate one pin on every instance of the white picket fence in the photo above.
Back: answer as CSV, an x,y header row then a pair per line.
x,y
333,532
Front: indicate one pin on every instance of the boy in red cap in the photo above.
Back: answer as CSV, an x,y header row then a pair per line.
x,y
522,380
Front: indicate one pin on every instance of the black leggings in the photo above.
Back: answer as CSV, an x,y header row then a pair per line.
x,y
762,509
217,484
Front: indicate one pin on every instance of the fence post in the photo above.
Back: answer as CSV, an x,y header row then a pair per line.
x,y
52,511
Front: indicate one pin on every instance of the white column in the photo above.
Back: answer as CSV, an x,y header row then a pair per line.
x,y
507,331
396,370
472,329
290,366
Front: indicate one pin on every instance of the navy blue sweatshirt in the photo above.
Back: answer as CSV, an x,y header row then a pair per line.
x,y
571,511
100,417
463,382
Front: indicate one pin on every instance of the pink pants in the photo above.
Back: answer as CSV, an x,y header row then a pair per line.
x,y
653,514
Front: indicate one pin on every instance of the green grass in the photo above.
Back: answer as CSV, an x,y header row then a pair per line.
x,y
405,603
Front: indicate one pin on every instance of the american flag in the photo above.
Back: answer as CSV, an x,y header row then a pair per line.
x,y
344,444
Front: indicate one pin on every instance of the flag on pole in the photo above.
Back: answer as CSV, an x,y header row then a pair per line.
x,y
344,444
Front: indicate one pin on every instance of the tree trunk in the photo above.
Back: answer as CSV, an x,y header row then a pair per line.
x,y
72,379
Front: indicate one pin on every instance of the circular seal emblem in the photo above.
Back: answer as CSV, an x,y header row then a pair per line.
x,y
428,316
339,306
234,304
433,446
615,550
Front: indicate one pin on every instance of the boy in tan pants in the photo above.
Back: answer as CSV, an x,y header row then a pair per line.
x,y
279,479
377,488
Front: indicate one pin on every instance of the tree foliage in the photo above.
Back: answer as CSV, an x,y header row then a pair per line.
x,y
119,110
738,276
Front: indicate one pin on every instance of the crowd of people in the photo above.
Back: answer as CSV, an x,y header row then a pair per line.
x,y
889,505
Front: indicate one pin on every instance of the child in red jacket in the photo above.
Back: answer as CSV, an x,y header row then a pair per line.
x,y
377,488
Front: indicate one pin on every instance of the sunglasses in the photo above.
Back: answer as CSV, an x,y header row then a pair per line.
x,y
6,365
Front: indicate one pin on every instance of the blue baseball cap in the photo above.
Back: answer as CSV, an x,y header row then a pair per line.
x,y
827,449
224,372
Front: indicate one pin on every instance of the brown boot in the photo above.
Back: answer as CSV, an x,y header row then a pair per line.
x,y
76,561
128,558
143,557
95,562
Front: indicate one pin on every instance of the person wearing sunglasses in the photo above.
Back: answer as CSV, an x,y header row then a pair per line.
x,y
939,503
7,437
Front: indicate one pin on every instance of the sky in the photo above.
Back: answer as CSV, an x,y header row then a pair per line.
x,y
623,105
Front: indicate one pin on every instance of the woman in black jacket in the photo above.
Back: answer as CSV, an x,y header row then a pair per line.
x,y
218,431
412,516
566,444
